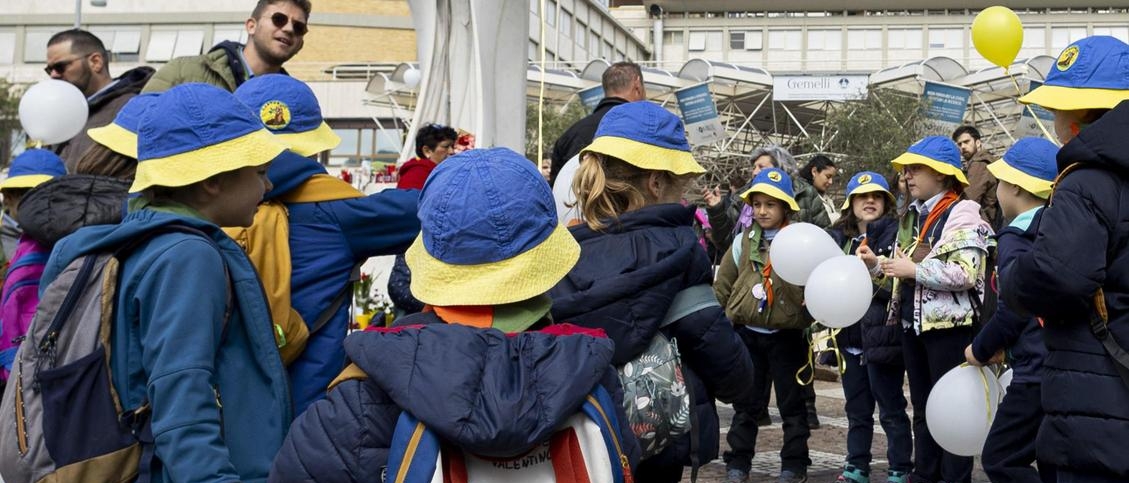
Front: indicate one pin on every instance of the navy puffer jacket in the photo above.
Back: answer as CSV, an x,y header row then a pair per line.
x,y
1082,245
624,283
880,342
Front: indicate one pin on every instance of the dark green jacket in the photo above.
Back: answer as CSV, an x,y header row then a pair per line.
x,y
811,207
740,271
212,68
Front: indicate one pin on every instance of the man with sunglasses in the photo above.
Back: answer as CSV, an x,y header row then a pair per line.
x,y
275,33
79,57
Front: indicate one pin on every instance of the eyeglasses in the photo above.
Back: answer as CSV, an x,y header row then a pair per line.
x,y
280,20
61,66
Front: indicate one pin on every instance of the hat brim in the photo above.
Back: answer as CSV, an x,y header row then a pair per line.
x,y
868,188
1031,184
25,181
907,159
115,137
646,156
254,149
1061,98
770,191
521,277
311,142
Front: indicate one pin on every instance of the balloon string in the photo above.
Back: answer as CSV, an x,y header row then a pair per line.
x,y
1039,122
834,348
987,391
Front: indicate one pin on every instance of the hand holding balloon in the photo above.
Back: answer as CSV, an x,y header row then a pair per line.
x,y
867,256
900,266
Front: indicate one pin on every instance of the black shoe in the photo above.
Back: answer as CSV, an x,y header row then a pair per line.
x,y
763,419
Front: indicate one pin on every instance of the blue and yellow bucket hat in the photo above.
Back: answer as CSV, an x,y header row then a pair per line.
x,y
489,233
290,110
773,182
937,152
121,135
1092,73
33,168
647,136
1030,164
867,182
195,131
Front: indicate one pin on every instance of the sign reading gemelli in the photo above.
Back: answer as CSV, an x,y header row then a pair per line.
x,y
819,88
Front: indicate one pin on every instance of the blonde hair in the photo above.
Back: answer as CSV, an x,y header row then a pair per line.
x,y
607,187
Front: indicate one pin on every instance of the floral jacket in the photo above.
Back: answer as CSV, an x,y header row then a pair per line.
x,y
949,273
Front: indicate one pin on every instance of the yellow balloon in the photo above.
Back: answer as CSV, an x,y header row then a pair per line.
x,y
997,34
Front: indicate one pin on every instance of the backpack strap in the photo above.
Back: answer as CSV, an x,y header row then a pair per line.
x,y
598,406
338,300
414,452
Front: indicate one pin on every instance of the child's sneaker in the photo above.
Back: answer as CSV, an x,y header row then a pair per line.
x,y
897,477
734,475
851,474
789,476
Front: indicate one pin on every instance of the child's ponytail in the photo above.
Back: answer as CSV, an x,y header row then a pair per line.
x,y
605,189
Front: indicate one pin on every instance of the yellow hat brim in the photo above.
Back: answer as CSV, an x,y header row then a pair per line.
x,y
867,188
772,191
521,277
646,156
115,137
1006,172
311,142
1060,98
944,168
254,149
26,181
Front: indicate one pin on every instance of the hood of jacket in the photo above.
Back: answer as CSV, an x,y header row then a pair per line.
x,y
498,393
129,82
1103,143
58,207
629,273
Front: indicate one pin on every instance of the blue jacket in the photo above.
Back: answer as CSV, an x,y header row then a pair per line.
x,y
327,239
1021,336
482,390
879,341
624,282
1080,247
219,393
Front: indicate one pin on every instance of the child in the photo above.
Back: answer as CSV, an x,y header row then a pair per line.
x,y
191,327
1025,175
638,251
773,318
1079,253
871,348
451,366
939,261
21,280
331,226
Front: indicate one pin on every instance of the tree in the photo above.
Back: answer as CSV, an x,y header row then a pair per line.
x,y
9,118
557,120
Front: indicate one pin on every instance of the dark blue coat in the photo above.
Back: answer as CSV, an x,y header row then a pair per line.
x,y
625,280
1082,245
880,342
482,390
1020,335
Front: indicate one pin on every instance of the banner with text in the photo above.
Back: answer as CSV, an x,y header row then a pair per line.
x,y
819,88
699,113
591,97
944,107
1028,125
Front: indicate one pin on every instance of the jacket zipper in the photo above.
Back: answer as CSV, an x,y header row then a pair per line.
x,y
21,420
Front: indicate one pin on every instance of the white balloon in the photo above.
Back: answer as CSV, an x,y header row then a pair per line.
x,y
1005,381
838,291
412,78
798,249
53,111
563,194
961,407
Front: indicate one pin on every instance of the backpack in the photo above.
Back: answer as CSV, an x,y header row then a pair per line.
x,y
984,310
20,298
267,244
61,418
586,448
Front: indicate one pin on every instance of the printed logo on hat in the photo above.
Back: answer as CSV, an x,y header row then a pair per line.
x,y
864,179
275,115
774,176
1067,58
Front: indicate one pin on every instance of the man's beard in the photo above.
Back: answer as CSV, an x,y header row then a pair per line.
x,y
83,81
267,55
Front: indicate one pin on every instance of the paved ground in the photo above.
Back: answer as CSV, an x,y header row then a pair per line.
x,y
828,444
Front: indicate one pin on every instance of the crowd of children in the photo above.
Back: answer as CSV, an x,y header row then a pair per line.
x,y
226,314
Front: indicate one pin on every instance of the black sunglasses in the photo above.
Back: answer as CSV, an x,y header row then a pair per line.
x,y
61,66
280,20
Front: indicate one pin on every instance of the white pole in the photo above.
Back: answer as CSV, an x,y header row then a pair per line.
x,y
77,13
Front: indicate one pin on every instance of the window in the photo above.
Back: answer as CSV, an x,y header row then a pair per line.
x,y
581,34
825,40
673,37
608,51
784,39
534,51
1121,33
35,43
167,44
713,41
908,39
1035,37
941,38
593,43
535,7
754,40
1064,36
7,47
124,43
365,143
566,23
866,39
697,41
737,40
551,13
234,33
